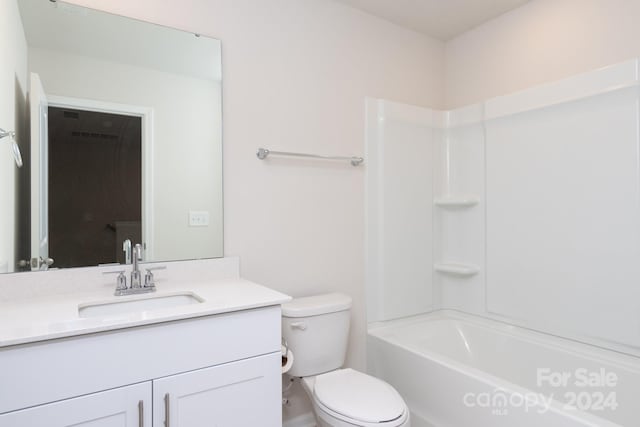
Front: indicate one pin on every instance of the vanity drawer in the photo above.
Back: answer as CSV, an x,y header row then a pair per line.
x,y
44,372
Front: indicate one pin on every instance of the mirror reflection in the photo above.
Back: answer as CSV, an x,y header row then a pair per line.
x,y
122,142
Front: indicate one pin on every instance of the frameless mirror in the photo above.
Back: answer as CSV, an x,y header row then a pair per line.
x,y
124,142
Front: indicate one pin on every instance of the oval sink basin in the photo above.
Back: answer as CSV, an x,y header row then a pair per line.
x,y
106,309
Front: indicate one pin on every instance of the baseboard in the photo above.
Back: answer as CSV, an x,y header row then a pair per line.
x,y
304,420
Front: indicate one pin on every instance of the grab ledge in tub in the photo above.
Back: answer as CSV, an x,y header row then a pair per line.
x,y
457,269
456,201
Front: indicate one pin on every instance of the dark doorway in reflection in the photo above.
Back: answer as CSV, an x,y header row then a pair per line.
x,y
95,186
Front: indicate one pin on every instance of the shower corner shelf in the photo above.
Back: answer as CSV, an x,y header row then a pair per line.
x,y
457,269
456,202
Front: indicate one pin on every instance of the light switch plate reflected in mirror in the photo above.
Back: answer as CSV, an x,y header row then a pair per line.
x,y
198,219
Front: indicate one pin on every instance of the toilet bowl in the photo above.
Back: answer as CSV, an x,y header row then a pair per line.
x,y
347,398
316,330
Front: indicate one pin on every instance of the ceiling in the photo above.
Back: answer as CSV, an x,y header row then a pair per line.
x,y
442,19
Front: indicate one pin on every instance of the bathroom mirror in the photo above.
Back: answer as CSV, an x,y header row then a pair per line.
x,y
122,141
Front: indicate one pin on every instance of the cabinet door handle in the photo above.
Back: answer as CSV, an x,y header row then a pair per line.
x,y
140,413
167,413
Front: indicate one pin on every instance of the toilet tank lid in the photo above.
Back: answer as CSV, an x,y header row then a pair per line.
x,y
316,305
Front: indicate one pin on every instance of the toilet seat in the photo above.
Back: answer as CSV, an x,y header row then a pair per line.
x,y
360,399
334,417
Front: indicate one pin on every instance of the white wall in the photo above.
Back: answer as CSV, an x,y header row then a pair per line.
x,y
186,139
402,155
295,77
563,212
460,229
542,41
555,232
552,240
13,51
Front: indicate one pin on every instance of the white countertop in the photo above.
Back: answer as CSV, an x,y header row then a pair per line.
x,y
46,315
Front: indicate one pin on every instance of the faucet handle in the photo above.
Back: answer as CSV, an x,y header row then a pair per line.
x,y
113,272
121,280
149,281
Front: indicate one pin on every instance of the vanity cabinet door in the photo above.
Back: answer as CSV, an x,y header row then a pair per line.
x,y
238,394
122,407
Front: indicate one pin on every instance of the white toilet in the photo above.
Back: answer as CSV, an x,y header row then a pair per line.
x,y
316,330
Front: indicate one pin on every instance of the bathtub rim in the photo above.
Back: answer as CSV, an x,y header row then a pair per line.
x,y
594,352
591,352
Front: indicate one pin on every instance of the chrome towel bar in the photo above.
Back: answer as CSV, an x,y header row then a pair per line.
x,y
17,156
263,153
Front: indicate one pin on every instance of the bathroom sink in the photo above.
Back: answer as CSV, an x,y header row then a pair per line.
x,y
152,302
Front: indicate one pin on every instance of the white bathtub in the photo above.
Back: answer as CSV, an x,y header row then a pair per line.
x,y
457,370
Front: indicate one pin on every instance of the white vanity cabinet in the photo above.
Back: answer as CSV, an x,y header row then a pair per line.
x,y
222,370
122,407
239,394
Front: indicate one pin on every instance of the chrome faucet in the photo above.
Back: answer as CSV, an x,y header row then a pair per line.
x,y
136,283
137,286
126,248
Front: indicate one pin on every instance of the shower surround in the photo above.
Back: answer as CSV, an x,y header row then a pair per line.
x,y
523,209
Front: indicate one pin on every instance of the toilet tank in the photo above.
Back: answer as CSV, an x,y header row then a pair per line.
x,y
316,330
